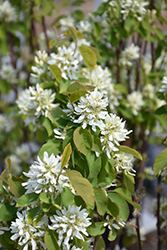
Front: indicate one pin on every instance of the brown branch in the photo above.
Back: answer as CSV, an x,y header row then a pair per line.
x,y
46,36
33,30
138,233
10,44
95,243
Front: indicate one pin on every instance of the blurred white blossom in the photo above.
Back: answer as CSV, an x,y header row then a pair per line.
x,y
7,12
135,102
163,88
8,73
129,54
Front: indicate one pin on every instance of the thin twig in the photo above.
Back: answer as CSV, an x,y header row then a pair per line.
x,y
33,28
138,233
95,243
46,36
158,214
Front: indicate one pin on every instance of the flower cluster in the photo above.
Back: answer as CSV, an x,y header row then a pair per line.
x,y
46,176
102,79
124,163
163,88
28,233
69,223
135,102
7,12
8,73
34,102
113,222
129,54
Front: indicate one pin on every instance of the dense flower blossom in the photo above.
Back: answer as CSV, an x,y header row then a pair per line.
x,y
69,223
46,175
7,12
135,102
129,54
91,109
135,8
8,73
102,79
28,234
34,102
112,133
67,61
65,22
124,163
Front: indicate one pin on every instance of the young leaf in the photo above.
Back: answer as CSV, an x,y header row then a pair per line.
x,y
67,197
32,213
83,140
76,95
101,244
66,155
15,186
56,72
51,241
131,151
82,186
112,208
88,55
112,235
160,163
27,199
101,200
45,198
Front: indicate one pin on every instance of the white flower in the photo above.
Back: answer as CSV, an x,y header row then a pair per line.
x,y
134,7
91,109
69,223
149,91
113,222
135,102
131,229
25,151
112,133
35,102
65,22
5,124
3,229
8,73
124,162
84,26
67,61
163,88
46,176
60,134
7,12
129,54
117,247
28,233
148,171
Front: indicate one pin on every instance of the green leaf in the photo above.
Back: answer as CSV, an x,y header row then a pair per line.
x,y
101,244
122,204
102,8
127,196
47,124
27,199
74,87
32,213
9,163
7,212
2,189
131,151
101,200
51,241
160,163
88,55
129,182
46,207
67,197
112,208
15,186
50,147
5,175
45,198
94,164
97,53
77,95
112,235
52,43
82,186
57,116
56,72
96,229
66,155
83,140
96,144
